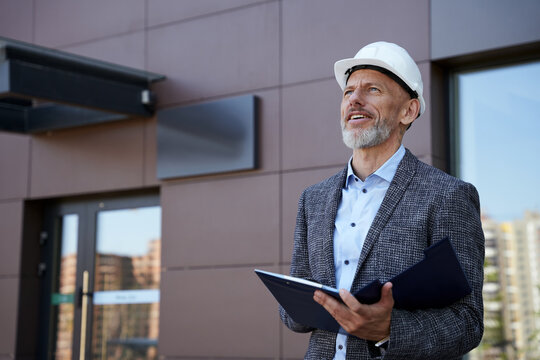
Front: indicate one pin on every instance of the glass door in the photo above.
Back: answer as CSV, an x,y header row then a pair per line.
x,y
126,284
64,287
103,292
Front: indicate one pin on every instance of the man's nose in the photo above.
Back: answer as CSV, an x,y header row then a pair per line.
x,y
356,97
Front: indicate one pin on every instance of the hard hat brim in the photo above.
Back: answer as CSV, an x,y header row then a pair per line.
x,y
341,67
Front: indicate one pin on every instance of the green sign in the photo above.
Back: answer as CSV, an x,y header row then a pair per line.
x,y
57,299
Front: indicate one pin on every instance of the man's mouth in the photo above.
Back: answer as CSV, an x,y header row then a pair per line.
x,y
356,117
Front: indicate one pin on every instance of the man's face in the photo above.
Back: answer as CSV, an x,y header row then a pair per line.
x,y
370,109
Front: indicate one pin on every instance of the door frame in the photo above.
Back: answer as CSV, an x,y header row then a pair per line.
x,y
87,208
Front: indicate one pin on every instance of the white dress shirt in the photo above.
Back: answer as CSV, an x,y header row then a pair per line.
x,y
359,204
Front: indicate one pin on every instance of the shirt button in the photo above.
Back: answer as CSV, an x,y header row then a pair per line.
x,y
353,224
340,347
346,262
364,191
355,179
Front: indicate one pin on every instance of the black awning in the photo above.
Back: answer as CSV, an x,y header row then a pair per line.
x,y
43,89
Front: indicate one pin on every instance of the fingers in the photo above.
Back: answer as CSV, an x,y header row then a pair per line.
x,y
371,322
321,297
333,306
350,300
387,299
324,299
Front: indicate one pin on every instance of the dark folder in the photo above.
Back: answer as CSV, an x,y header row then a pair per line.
x,y
434,282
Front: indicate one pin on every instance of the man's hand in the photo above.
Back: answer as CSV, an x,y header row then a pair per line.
x,y
370,322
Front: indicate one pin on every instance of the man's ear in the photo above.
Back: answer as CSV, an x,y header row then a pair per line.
x,y
410,112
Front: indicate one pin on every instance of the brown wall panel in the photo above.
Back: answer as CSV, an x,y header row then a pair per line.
x,y
150,152
221,222
311,126
431,161
166,11
418,137
223,54
88,159
16,20
482,25
11,214
126,50
294,344
64,22
8,315
316,33
14,163
218,313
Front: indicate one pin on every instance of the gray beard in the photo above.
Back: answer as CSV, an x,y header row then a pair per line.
x,y
360,139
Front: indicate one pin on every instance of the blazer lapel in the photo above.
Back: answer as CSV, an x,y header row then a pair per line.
x,y
333,199
403,177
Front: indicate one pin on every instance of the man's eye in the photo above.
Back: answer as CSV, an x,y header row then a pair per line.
x,y
347,92
373,89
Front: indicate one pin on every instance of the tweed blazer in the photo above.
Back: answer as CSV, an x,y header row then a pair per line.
x,y
422,205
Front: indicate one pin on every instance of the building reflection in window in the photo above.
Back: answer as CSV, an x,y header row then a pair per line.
x,y
126,284
498,148
64,291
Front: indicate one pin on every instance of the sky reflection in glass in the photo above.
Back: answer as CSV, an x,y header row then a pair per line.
x,y
499,138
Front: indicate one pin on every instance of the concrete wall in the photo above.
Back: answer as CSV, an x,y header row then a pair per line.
x,y
216,229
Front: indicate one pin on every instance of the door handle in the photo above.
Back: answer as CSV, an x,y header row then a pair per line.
x,y
84,313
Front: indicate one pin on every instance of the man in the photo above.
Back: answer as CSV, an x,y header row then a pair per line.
x,y
373,220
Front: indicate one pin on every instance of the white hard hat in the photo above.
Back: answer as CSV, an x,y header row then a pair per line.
x,y
391,59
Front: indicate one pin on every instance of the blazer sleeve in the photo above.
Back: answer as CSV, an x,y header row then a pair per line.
x,y
453,331
300,262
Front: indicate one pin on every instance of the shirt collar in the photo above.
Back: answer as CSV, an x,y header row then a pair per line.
x,y
386,171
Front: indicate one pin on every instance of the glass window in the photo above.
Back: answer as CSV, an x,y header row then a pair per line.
x,y
126,284
63,294
498,149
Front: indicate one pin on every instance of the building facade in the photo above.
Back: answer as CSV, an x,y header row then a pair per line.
x,y
201,296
